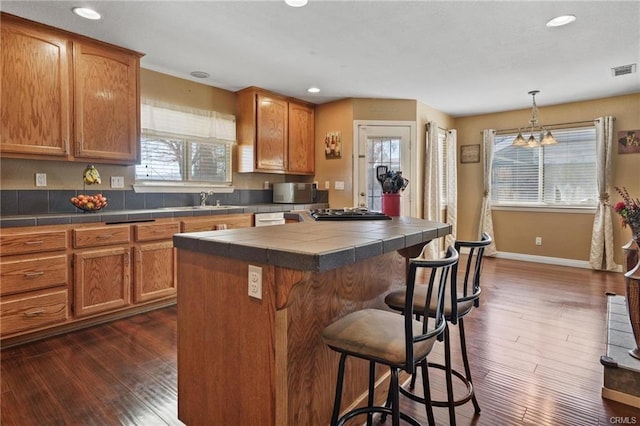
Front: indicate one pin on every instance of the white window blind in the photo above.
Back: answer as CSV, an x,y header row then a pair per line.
x,y
185,145
561,175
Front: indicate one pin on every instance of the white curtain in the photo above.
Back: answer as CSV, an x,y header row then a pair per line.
x,y
451,163
601,256
486,222
431,200
165,120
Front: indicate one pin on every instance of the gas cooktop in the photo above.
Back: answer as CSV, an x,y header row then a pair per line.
x,y
347,214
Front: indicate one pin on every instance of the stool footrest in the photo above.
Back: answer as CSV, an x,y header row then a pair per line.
x,y
463,379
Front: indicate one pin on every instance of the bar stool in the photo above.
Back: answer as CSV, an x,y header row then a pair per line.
x,y
464,296
397,341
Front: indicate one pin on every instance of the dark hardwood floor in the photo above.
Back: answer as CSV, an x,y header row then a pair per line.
x,y
534,345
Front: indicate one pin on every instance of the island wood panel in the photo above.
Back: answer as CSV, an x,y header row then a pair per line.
x,y
316,301
241,354
226,353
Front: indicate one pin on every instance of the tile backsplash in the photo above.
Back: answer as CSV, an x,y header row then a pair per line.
x,y
31,202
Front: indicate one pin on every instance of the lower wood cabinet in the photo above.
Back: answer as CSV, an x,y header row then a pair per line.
x,y
101,280
59,277
32,310
155,271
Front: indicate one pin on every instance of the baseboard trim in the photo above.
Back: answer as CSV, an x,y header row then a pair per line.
x,y
574,263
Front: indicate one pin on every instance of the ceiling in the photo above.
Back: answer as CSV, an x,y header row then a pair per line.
x,y
461,58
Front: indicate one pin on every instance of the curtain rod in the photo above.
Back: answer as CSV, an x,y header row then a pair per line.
x,y
551,126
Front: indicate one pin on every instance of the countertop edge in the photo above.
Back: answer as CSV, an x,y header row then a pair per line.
x,y
355,246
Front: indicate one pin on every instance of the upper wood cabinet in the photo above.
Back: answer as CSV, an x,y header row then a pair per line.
x,y
36,92
67,97
301,139
275,133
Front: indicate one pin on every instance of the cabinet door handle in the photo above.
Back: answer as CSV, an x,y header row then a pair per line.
x,y
33,243
34,313
33,274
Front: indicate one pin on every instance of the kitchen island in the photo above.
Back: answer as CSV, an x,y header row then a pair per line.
x,y
250,361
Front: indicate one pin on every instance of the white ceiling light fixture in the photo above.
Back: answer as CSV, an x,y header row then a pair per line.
x,y
296,3
313,90
199,74
559,21
87,13
546,138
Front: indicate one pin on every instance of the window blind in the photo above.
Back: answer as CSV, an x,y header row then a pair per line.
x,y
555,175
185,145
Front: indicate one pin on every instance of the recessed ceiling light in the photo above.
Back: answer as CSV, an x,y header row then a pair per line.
x,y
313,90
87,13
559,21
200,74
296,3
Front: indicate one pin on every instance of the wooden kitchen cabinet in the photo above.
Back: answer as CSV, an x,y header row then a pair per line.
x,y
301,139
67,97
275,133
36,92
101,280
271,132
155,271
106,103
34,271
102,276
240,220
58,278
155,267
33,310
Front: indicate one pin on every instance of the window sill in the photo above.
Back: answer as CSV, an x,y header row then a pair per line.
x,y
149,187
546,209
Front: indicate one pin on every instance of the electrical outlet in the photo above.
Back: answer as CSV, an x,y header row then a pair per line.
x,y
255,282
117,181
538,241
41,179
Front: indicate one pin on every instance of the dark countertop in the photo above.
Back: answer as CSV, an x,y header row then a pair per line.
x,y
133,215
311,245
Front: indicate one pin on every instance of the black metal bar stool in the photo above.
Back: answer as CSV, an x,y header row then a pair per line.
x,y
397,341
464,296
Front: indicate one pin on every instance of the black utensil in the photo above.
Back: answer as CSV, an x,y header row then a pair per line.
x,y
381,174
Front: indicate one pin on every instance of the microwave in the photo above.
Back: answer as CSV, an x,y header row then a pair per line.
x,y
291,193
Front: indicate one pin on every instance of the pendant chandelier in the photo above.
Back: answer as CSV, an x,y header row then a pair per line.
x,y
544,136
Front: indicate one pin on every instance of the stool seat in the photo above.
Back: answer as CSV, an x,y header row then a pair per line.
x,y
395,300
373,334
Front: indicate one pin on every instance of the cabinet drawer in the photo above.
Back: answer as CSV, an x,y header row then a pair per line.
x,y
100,236
157,231
243,220
32,311
33,274
33,242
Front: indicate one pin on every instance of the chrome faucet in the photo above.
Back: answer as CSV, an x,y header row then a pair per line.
x,y
203,197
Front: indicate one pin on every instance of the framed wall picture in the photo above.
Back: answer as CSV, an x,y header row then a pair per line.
x,y
333,145
470,153
628,141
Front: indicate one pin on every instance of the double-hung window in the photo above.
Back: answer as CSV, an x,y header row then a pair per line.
x,y
557,176
187,147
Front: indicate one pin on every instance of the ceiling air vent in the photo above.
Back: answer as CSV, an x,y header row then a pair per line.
x,y
623,70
